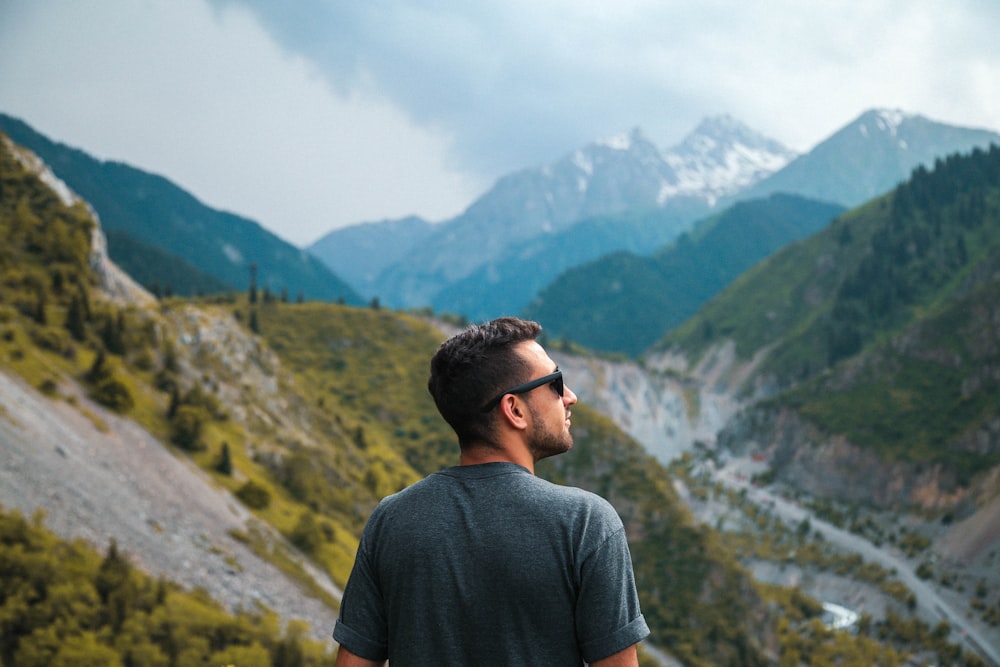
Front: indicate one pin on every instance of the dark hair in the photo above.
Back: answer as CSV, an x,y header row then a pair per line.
x,y
475,365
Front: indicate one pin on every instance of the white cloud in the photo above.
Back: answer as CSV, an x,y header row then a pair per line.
x,y
206,99
371,109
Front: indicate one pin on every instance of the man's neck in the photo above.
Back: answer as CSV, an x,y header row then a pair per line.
x,y
476,455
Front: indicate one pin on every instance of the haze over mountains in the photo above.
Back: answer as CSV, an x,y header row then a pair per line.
x,y
625,191
868,344
625,194
515,242
160,233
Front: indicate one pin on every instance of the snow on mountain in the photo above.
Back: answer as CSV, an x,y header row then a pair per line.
x,y
721,157
622,173
869,156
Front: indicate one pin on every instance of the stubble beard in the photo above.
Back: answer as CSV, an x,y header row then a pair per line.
x,y
545,442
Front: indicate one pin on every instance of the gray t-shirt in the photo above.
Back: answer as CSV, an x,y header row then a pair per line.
x,y
490,565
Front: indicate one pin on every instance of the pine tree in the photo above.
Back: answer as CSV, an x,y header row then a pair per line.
x,y
175,401
99,369
113,333
41,301
75,319
252,297
225,463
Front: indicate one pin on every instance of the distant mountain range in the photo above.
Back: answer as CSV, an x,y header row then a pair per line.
x,y
869,157
622,194
618,193
152,223
624,302
874,343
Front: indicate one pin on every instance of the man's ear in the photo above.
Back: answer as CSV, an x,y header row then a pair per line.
x,y
513,412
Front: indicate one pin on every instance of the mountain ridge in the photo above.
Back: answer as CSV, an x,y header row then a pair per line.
x,y
655,293
877,329
626,174
871,155
156,212
818,175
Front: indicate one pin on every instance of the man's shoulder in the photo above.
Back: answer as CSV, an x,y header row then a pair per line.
x,y
576,500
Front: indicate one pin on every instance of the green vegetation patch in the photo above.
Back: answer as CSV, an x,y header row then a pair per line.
x,y
63,604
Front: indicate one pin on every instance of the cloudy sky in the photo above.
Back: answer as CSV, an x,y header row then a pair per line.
x,y
314,114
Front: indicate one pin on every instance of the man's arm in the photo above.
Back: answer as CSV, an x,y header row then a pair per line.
x,y
627,658
347,659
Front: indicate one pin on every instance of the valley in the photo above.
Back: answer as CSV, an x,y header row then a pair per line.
x,y
676,419
97,476
827,422
933,604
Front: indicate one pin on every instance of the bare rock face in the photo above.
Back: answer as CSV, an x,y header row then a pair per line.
x,y
832,467
114,282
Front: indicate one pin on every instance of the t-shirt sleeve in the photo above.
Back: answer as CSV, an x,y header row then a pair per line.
x,y
608,618
361,626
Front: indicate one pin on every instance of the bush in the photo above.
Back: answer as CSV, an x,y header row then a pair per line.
x,y
186,427
53,339
113,393
254,495
307,534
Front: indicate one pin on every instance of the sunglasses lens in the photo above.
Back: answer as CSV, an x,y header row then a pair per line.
x,y
557,385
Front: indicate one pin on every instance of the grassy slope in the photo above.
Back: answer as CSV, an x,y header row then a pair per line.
x,y
348,422
881,325
373,366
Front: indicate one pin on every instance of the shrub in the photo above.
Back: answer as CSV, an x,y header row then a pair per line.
x,y
53,339
254,495
186,427
113,393
307,534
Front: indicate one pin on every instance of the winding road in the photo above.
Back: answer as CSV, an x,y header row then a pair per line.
x,y
930,604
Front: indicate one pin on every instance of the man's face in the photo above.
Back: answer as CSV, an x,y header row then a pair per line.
x,y
550,413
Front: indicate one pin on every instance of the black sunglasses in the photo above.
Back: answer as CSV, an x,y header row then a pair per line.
x,y
554,379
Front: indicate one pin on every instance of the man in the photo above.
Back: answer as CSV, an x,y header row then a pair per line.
x,y
484,563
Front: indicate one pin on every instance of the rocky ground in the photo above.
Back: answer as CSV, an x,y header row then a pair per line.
x,y
101,477
963,556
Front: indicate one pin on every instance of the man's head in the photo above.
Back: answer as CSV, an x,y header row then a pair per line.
x,y
474,367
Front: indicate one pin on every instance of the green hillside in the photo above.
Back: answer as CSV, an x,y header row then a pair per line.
x,y
156,212
883,327
64,605
336,417
373,366
625,302
357,423
159,272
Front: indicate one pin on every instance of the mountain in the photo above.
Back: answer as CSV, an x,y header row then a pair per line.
x,y
177,435
869,157
507,283
159,271
590,303
722,157
533,212
155,212
359,253
874,343
242,466
624,193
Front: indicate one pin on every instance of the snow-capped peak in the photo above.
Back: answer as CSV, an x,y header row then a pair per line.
x,y
889,120
721,157
618,142
623,141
